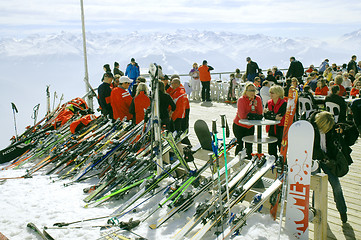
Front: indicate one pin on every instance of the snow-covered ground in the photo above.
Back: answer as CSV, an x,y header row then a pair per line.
x,y
44,200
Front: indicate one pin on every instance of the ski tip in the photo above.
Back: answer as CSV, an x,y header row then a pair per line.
x,y
153,226
86,205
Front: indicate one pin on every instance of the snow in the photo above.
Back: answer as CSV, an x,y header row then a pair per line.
x,y
44,200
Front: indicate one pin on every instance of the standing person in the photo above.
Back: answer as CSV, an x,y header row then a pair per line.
x,y
277,73
166,107
196,83
116,69
106,69
326,132
104,92
133,72
324,65
252,69
120,99
238,75
352,65
205,77
140,103
140,79
249,102
295,70
278,105
231,96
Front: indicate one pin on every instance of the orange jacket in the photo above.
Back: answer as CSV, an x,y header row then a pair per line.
x,y
139,104
204,74
170,91
354,92
180,99
84,121
120,100
323,91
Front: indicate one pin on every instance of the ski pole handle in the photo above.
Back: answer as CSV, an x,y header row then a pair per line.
x,y
223,121
214,126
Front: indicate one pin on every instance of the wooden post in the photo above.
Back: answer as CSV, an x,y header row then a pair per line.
x,y
319,184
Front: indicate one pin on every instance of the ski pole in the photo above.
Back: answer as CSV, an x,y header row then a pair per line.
x,y
55,97
215,150
35,114
15,110
223,123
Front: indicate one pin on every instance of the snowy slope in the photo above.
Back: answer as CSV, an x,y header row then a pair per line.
x,y
44,201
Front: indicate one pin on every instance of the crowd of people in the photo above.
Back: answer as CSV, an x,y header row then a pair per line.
x,y
126,96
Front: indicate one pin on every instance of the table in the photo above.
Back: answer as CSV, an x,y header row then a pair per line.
x,y
259,139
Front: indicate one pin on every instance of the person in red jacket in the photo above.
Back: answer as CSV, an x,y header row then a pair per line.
x,y
205,77
179,97
120,99
249,102
278,105
338,81
322,89
356,88
140,103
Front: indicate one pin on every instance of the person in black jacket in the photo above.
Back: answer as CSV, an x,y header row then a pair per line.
x,y
335,98
295,70
252,69
165,101
116,70
324,149
104,92
352,65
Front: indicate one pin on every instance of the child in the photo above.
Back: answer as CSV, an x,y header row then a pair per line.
x,y
231,96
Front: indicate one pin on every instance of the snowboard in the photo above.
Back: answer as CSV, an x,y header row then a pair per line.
x,y
301,137
203,134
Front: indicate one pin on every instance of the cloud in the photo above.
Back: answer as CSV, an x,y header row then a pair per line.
x,y
126,16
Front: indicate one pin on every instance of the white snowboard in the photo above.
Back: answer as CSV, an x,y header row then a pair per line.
x,y
300,148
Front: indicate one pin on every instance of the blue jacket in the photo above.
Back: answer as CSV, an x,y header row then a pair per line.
x,y
132,71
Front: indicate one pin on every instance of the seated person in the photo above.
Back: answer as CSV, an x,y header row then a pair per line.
x,y
322,88
335,97
356,88
338,81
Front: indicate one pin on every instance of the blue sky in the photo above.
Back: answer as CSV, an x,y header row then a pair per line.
x,y
315,19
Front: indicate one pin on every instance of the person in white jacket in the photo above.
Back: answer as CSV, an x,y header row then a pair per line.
x,y
264,92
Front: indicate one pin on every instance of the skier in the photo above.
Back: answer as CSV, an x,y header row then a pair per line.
x,y
120,99
249,102
139,103
132,72
104,92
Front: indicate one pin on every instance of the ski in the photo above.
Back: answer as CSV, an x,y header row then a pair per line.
x,y
37,230
254,206
175,208
236,198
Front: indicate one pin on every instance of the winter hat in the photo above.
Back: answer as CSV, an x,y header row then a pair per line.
x,y
125,79
116,64
248,59
132,60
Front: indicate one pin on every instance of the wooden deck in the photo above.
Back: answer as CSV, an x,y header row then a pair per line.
x,y
351,183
